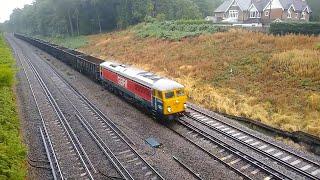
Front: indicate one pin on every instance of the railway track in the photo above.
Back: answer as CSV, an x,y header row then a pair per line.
x,y
236,160
293,162
130,165
106,133
110,139
64,153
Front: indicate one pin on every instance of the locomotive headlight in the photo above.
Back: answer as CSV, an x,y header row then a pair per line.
x,y
185,105
169,109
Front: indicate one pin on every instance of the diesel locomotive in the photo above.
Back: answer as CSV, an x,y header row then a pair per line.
x,y
163,97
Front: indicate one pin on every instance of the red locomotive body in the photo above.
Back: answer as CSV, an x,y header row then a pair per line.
x,y
132,86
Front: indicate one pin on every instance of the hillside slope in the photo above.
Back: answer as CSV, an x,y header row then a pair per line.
x,y
271,79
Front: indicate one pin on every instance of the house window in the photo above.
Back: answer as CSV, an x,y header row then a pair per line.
x,y
254,14
233,14
303,15
297,15
266,13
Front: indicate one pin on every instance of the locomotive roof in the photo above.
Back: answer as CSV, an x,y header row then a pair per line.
x,y
146,78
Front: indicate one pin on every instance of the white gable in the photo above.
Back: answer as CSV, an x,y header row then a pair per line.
x,y
234,3
307,9
291,7
275,4
253,8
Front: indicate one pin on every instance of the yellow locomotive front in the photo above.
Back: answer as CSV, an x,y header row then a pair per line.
x,y
169,99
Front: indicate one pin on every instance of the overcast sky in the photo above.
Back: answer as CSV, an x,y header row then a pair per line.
x,y
7,6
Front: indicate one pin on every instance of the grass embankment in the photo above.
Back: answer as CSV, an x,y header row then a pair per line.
x,y
175,30
69,42
272,79
12,151
268,78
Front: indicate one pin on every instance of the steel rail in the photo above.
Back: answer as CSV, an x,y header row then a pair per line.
x,y
42,119
106,120
61,117
295,169
261,139
248,158
48,153
212,155
107,151
194,174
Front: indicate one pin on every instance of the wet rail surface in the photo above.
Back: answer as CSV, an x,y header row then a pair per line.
x,y
293,162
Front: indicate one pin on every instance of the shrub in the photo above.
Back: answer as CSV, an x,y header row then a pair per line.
x,y
161,17
175,30
6,76
309,28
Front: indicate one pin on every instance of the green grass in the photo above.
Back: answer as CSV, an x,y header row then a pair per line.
x,y
12,150
175,30
69,42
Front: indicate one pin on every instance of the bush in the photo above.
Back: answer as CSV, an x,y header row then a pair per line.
x,y
175,30
6,76
309,28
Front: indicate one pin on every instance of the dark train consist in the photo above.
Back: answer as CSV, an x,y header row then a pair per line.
x,y
161,97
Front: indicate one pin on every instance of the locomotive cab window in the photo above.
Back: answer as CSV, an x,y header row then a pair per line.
x,y
169,94
180,92
157,94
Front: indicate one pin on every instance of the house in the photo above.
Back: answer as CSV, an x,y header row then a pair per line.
x,y
262,11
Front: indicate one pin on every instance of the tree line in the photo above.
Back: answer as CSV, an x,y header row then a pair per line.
x,y
77,17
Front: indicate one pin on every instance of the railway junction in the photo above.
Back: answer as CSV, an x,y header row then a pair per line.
x,y
76,129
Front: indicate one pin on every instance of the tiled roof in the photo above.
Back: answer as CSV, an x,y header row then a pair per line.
x,y
260,4
243,4
299,5
224,6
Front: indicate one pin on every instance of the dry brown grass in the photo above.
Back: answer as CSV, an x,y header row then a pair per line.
x,y
272,79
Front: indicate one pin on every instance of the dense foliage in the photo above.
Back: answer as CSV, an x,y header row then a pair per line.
x,y
175,30
315,7
12,152
76,17
309,28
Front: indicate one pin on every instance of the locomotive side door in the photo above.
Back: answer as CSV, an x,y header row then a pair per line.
x,y
157,101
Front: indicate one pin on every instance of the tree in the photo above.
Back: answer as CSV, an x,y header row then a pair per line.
x,y
76,17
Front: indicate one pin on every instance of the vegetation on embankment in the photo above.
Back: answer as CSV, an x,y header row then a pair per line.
x,y
67,41
175,30
272,79
12,150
